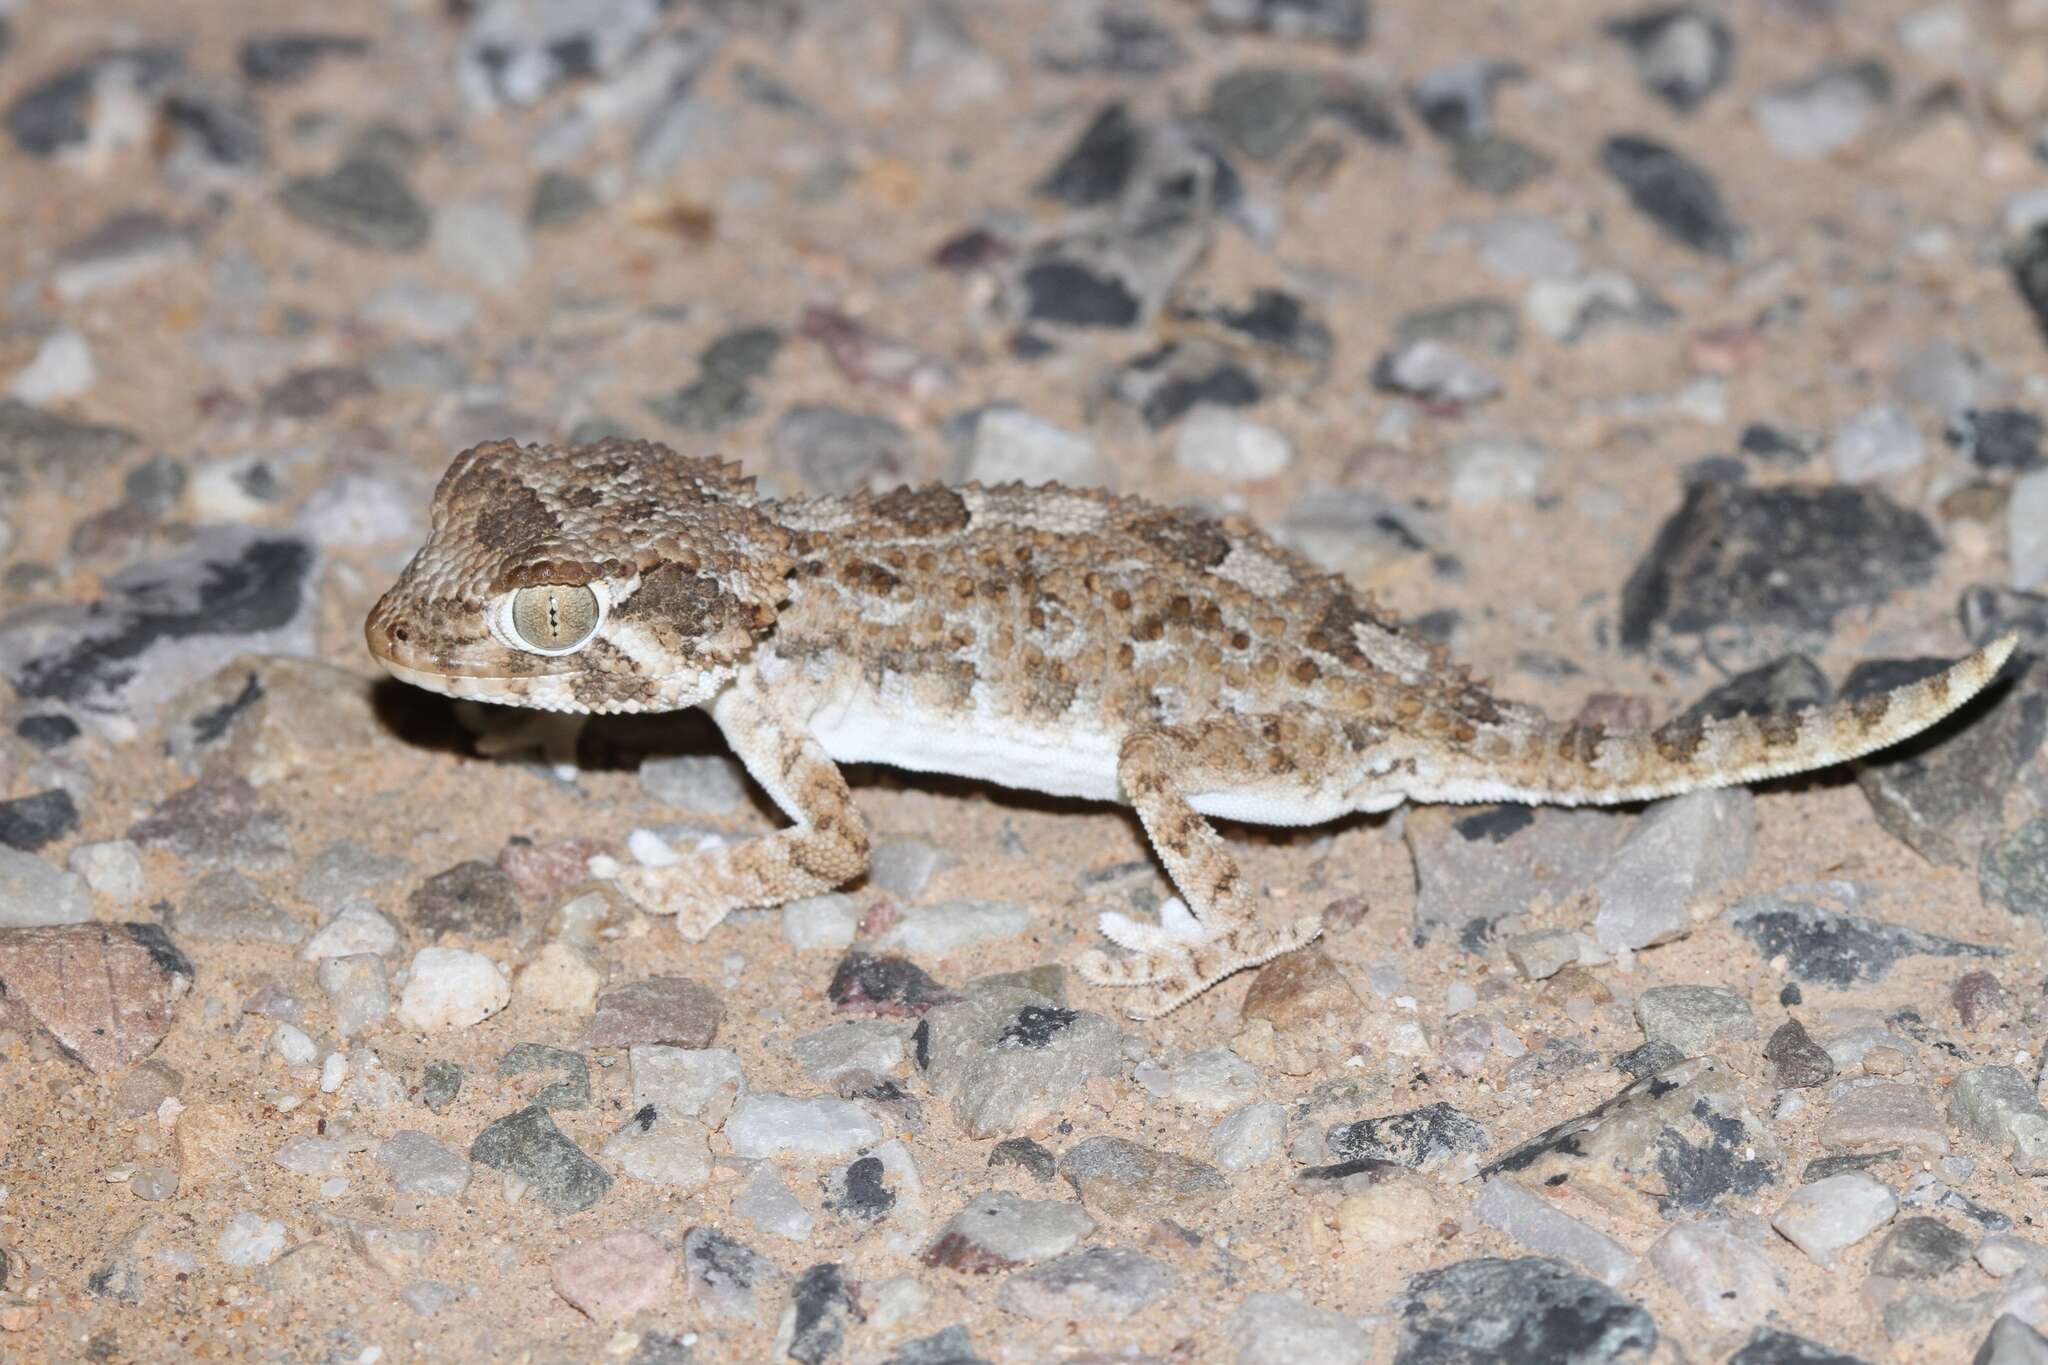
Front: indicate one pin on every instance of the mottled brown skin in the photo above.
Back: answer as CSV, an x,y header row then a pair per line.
x,y
1063,640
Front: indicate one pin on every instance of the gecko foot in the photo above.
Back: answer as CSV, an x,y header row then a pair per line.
x,y
1172,962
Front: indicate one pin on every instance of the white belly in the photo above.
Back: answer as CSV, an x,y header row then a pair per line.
x,y
973,744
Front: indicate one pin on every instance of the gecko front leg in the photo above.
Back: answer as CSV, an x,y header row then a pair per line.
x,y
825,846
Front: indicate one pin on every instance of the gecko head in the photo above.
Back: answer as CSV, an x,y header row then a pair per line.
x,y
618,576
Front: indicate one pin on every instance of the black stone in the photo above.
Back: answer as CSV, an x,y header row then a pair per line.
x,y
1227,386
1998,438
1769,1346
288,58
1496,824
1024,1154
707,405
46,732
1099,167
1783,685
884,985
559,200
713,1258
1035,1026
365,201
1774,445
1675,193
315,392
1528,1309
1830,948
1989,611
1456,102
164,955
1697,1174
30,822
2028,262
864,1197
56,114
1419,1138
821,1301
259,588
1787,557
1498,164
1075,295
1649,1059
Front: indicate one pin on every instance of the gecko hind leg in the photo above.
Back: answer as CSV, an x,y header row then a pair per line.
x,y
1215,933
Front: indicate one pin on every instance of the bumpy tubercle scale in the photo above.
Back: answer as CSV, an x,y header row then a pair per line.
x,y
1063,640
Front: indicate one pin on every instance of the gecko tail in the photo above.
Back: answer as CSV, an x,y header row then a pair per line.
x,y
1575,764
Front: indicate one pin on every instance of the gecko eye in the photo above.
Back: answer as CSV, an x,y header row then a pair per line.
x,y
554,618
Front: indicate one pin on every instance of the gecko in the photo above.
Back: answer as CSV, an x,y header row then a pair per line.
x,y
1061,640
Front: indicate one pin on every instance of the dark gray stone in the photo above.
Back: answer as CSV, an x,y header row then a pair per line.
x,y
814,1324
1943,791
164,624
474,899
30,822
1345,23
1681,1139
727,1278
838,451
1770,1346
43,447
1789,558
2028,261
1529,1309
288,58
1832,948
57,113
559,200
1675,193
1024,1154
440,1085
1421,1138
1682,53
1783,685
527,1144
2013,871
1989,611
1919,1248
1801,1063
365,201
1998,438
1499,164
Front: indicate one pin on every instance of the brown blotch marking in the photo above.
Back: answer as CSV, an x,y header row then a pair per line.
x,y
932,510
514,519
1184,537
680,606
1677,741
1871,710
1581,743
1778,729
